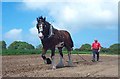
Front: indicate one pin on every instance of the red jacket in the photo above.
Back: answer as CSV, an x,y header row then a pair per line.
x,y
96,45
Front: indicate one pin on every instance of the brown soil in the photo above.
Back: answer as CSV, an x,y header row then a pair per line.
x,y
33,66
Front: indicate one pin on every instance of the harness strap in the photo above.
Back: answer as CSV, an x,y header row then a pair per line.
x,y
50,31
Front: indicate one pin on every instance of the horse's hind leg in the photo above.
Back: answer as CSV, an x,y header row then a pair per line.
x,y
60,64
70,63
43,55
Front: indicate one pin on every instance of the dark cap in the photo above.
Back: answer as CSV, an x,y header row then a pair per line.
x,y
95,40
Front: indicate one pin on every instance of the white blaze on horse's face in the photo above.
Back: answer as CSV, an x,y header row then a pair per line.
x,y
40,29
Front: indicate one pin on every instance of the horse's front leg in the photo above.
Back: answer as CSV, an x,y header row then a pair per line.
x,y
53,58
43,55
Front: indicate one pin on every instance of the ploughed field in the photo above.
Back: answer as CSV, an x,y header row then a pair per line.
x,y
33,66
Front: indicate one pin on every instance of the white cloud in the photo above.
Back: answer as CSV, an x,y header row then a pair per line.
x,y
14,34
33,31
77,14
69,14
33,35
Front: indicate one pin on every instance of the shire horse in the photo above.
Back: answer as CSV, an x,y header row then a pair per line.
x,y
51,39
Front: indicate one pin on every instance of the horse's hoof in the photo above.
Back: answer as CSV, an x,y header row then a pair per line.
x,y
70,63
60,65
54,67
48,61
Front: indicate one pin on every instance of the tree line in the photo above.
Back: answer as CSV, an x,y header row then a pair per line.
x,y
19,47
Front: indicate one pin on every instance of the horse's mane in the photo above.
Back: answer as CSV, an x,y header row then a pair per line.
x,y
47,23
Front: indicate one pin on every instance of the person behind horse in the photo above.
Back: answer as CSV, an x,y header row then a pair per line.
x,y
95,49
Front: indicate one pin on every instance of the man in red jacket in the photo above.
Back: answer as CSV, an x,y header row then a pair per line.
x,y
96,49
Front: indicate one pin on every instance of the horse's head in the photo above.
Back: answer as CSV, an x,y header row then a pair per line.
x,y
43,27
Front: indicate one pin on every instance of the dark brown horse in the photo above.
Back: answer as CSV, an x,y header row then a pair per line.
x,y
52,38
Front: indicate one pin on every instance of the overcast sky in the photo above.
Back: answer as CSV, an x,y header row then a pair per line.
x,y
86,20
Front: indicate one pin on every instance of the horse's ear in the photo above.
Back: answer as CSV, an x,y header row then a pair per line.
x,y
37,19
44,18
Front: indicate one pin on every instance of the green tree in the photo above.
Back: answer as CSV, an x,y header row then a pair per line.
x,y
39,46
77,49
115,48
20,45
104,50
85,47
3,44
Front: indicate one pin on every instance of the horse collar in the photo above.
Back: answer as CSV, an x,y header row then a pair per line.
x,y
50,31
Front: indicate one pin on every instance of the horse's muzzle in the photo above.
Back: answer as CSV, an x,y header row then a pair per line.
x,y
40,35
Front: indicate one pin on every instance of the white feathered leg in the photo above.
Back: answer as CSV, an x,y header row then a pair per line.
x,y
60,64
70,63
53,63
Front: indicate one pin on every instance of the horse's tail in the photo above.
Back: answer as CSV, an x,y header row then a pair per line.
x,y
71,41
72,45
